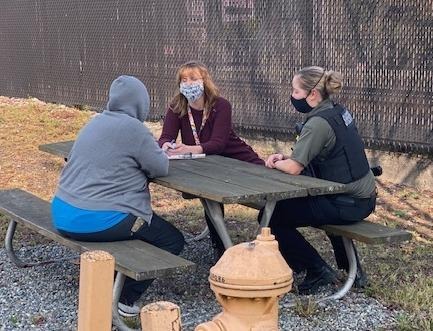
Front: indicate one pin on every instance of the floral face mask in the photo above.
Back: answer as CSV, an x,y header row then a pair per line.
x,y
193,91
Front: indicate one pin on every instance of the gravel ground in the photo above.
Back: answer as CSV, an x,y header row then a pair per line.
x,y
45,297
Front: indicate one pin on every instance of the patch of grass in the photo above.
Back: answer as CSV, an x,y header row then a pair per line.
x,y
409,194
400,213
402,278
38,319
132,322
305,307
404,322
407,322
14,320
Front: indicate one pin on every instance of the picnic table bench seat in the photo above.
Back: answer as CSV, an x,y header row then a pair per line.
x,y
133,258
368,232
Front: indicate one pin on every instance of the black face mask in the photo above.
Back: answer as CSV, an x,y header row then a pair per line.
x,y
301,105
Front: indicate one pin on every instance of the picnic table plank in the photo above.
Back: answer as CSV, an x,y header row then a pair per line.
x,y
314,186
368,232
60,148
215,190
155,263
274,189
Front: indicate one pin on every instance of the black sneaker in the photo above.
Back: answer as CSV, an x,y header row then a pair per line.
x,y
317,278
128,311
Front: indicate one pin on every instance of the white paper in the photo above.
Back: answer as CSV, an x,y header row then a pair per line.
x,y
186,156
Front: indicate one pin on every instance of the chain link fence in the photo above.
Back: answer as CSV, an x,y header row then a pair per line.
x,y
70,51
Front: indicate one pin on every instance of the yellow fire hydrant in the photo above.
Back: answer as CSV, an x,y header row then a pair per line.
x,y
247,281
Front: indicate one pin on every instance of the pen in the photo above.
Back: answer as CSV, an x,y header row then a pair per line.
x,y
173,143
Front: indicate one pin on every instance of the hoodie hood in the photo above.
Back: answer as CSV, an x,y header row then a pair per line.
x,y
128,95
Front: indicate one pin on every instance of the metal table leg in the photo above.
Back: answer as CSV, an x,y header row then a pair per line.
x,y
117,290
205,231
14,258
267,213
215,214
350,251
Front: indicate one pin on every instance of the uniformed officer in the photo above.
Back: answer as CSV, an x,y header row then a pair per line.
x,y
328,147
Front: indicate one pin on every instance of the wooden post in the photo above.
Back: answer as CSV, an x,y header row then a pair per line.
x,y
96,291
160,316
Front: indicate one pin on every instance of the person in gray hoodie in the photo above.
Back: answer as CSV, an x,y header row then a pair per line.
x,y
103,191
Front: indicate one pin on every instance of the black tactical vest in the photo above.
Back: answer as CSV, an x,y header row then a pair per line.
x,y
347,161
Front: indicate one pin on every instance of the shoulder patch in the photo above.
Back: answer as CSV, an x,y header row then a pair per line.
x,y
347,118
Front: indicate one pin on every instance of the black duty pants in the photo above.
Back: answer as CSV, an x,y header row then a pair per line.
x,y
159,233
315,211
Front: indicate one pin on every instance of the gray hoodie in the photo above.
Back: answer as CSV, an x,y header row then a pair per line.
x,y
114,155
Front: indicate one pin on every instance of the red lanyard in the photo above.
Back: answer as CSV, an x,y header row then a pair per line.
x,y
193,128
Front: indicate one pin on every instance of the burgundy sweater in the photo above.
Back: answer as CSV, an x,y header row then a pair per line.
x,y
216,137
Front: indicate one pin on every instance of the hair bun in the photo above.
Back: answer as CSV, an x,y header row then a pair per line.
x,y
333,82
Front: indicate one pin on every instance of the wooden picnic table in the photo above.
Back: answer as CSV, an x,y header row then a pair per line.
x,y
216,179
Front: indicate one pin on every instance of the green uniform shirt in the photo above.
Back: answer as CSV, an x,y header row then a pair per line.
x,y
318,139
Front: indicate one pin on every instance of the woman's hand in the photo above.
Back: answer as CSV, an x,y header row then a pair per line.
x,y
168,145
270,162
185,149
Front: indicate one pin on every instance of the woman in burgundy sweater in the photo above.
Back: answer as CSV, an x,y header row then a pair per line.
x,y
204,120
211,131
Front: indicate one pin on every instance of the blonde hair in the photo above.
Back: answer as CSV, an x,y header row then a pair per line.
x,y
179,104
325,82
